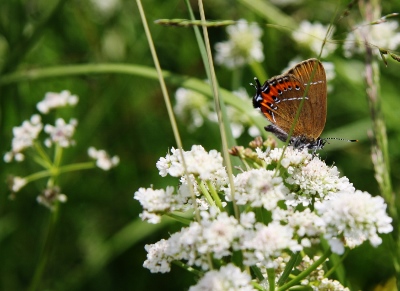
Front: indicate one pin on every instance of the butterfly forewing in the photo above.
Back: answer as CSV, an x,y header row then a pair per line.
x,y
282,95
281,100
311,122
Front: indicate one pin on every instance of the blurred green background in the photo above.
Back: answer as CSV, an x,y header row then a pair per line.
x,y
99,242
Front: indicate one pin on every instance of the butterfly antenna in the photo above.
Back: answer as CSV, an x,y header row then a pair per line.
x,y
257,85
342,139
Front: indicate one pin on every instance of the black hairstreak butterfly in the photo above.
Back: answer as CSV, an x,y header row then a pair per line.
x,y
279,99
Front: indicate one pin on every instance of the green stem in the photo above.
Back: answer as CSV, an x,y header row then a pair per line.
x,y
38,175
77,167
271,279
337,264
206,193
45,254
380,151
43,158
160,77
215,195
307,272
183,220
218,110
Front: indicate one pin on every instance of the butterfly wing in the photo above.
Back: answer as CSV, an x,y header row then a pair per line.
x,y
280,97
312,119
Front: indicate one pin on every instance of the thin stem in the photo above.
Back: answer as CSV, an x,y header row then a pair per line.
x,y
206,193
167,102
214,195
218,111
307,272
271,279
45,254
380,151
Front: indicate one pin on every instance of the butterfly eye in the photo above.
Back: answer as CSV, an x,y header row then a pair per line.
x,y
266,90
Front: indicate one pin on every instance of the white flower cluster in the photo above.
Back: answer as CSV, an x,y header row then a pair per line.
x,y
24,136
103,160
258,187
55,100
357,216
283,192
193,108
243,47
155,203
61,133
311,179
313,35
206,166
384,35
229,277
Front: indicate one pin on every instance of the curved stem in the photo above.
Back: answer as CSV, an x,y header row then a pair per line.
x,y
47,247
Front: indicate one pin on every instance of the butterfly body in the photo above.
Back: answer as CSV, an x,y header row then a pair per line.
x,y
280,97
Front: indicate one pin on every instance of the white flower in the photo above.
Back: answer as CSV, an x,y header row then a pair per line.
x,y
327,284
292,157
206,166
313,35
316,181
55,100
267,242
154,203
357,216
218,234
237,119
244,45
16,183
50,196
61,133
103,160
157,261
382,35
106,8
192,107
227,278
24,136
307,225
259,188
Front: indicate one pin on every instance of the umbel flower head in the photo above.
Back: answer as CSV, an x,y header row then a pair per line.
x,y
243,47
312,35
301,200
26,138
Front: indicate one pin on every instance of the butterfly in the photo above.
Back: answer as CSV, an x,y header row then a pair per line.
x,y
279,99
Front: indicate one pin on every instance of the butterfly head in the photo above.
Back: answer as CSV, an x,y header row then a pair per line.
x,y
257,97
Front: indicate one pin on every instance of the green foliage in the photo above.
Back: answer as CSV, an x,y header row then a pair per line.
x,y
99,239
